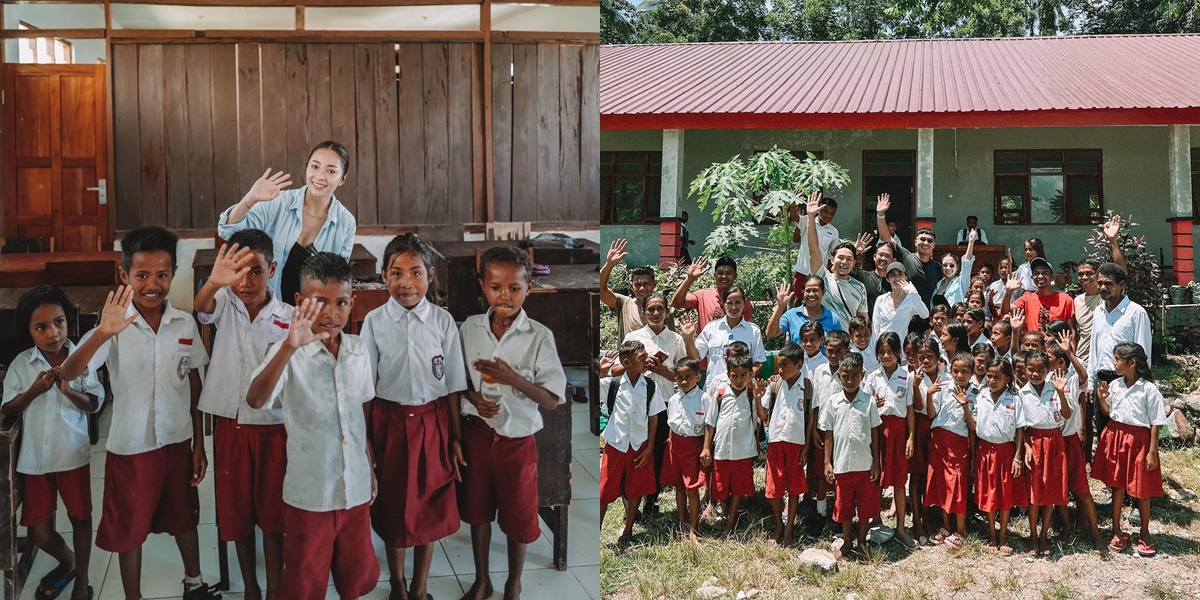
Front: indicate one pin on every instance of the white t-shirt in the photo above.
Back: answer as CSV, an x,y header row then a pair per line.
x,y
827,236
718,334
628,425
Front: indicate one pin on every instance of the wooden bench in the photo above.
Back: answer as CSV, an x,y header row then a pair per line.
x,y
17,553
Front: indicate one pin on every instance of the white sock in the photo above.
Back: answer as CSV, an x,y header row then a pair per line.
x,y
821,510
193,581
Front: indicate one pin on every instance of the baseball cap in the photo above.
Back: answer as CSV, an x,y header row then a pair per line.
x,y
1040,262
896,266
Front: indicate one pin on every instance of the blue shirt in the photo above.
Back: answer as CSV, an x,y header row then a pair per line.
x,y
792,320
281,219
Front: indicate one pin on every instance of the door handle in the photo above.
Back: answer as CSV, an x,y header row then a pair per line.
x,y
102,187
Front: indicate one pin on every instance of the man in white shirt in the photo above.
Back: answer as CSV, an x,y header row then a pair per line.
x,y
964,234
1118,319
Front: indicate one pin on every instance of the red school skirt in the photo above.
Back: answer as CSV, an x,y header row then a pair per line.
x,y
1077,476
918,463
1120,461
946,482
894,471
995,487
681,465
1048,467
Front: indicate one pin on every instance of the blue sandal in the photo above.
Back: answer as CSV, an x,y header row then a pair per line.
x,y
48,590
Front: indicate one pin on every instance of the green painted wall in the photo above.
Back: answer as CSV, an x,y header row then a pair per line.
x,y
1134,177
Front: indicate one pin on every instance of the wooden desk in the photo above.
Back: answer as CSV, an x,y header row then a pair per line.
x,y
16,553
362,262
28,270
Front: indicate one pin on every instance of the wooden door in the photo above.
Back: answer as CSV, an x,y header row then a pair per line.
x,y
55,151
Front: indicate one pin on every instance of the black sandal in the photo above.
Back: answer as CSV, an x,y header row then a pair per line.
x,y
47,590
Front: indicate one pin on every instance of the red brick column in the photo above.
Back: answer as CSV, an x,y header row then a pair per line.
x,y
923,222
669,232
1182,263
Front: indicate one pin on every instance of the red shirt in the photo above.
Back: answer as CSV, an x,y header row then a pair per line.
x,y
1040,310
707,303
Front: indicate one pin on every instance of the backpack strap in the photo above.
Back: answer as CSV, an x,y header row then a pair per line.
x,y
649,394
613,384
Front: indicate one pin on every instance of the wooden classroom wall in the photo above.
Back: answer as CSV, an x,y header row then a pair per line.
x,y
195,124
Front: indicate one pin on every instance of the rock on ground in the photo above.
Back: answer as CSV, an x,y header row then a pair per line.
x,y
822,560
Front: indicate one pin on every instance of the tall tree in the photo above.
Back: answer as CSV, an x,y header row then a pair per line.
x,y
615,22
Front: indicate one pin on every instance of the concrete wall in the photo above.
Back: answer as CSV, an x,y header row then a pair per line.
x,y
1134,177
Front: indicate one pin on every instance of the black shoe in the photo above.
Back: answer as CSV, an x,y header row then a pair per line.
x,y
201,592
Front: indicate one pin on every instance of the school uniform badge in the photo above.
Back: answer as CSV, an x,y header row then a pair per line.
x,y
185,363
439,367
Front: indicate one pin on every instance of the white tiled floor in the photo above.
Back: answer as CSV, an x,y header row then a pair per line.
x,y
452,572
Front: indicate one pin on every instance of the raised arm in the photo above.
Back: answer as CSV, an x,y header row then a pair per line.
x,y
881,207
231,265
1013,284
616,254
267,188
782,295
1112,231
815,260
112,322
299,334
694,272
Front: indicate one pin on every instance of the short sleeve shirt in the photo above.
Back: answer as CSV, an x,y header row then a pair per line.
x,y
1140,405
844,297
709,308
1039,410
996,419
827,387
239,347
1085,308
629,316
733,422
686,412
851,421
897,391
718,334
666,341
787,412
792,320
416,353
628,424
950,414
1041,310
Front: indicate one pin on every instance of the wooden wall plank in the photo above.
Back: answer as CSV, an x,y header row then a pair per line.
x,y
460,157
299,142
412,135
480,178
200,142
570,193
319,119
249,122
502,130
151,136
174,107
341,118
274,115
589,133
387,137
126,147
549,202
365,56
525,133
226,169
434,64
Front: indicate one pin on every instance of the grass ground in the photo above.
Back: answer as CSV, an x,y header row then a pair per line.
x,y
657,567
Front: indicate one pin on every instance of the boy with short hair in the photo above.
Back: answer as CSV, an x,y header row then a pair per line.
x,y
729,444
852,464
151,470
812,339
627,463
249,445
681,465
324,381
827,388
863,342
782,413
501,416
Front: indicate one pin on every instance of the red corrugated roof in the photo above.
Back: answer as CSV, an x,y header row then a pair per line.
x,y
900,84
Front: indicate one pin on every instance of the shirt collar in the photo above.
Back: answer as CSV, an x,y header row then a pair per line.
x,y
298,204
169,313
35,355
520,323
421,311
272,309
313,348
641,382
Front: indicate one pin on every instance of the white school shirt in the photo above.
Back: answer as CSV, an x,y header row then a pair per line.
x,y
1039,411
851,422
787,414
629,422
733,438
1141,405
826,386
149,377
926,383
416,354
996,420
528,347
982,339
995,296
238,349
669,343
1072,425
322,399
870,362
886,317
686,412
809,368
897,390
827,238
718,334
1128,322
1027,284
950,415
55,436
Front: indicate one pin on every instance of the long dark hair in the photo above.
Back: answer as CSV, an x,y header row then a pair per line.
x,y
958,331
34,299
1036,245
1129,351
411,243
1005,369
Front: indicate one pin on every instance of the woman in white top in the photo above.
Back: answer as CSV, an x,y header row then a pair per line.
x,y
956,276
663,346
893,311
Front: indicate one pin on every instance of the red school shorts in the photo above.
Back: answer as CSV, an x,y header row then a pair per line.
x,y
249,463
946,482
42,492
619,478
499,481
417,502
149,492
1077,476
318,544
894,438
855,492
681,465
1120,461
995,487
1048,467
732,477
784,474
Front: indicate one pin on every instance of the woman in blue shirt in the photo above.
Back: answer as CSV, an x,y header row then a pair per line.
x,y
300,222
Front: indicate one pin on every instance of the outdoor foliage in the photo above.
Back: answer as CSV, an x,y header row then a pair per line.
x,y
763,187
1144,283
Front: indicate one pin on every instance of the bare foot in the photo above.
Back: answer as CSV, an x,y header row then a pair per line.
x,y
512,590
788,536
695,540
479,590
774,537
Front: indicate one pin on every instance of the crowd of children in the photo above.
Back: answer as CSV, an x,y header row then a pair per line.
x,y
968,392
319,436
